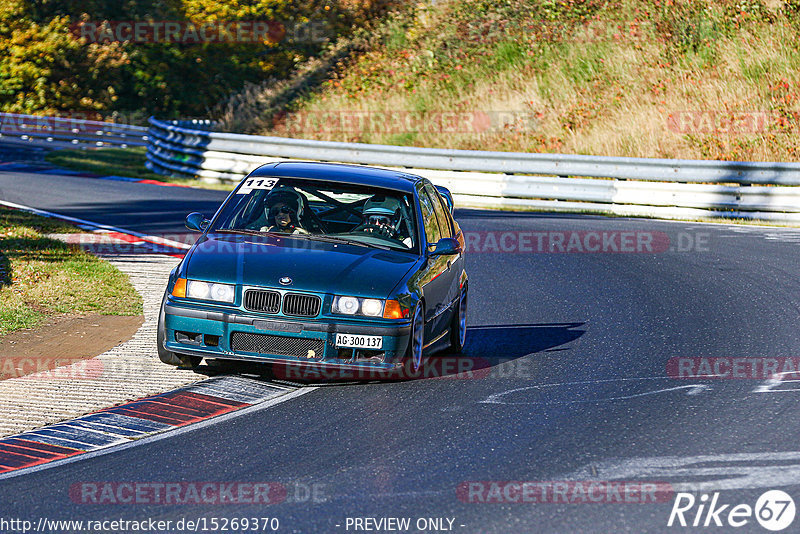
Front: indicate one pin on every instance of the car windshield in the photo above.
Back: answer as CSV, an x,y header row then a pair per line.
x,y
314,208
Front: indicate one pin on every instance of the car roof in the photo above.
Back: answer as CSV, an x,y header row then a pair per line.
x,y
338,172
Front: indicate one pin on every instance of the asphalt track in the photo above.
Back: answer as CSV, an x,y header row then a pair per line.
x,y
573,385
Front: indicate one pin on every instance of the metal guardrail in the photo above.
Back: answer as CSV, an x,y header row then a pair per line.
x,y
622,186
74,131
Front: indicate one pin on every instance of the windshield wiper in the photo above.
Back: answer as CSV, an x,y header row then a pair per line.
x,y
244,231
337,239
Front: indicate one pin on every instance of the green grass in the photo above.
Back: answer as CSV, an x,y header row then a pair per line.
x,y
396,38
106,161
585,67
510,54
129,162
42,277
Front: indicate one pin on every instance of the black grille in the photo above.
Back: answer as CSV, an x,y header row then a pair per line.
x,y
280,345
262,301
301,305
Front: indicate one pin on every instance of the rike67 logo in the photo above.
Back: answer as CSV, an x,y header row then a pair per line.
x,y
774,510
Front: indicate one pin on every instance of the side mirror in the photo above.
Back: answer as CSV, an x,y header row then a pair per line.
x,y
447,196
197,221
447,246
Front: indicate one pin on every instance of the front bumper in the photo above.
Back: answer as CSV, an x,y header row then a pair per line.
x,y
209,333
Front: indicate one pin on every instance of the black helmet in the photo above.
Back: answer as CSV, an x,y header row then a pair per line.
x,y
287,196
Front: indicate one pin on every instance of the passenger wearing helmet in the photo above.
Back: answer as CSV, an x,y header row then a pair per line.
x,y
283,209
383,215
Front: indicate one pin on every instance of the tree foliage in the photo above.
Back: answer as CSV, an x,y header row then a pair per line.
x,y
47,66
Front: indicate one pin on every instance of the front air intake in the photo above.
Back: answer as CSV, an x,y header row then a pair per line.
x,y
278,345
260,300
298,305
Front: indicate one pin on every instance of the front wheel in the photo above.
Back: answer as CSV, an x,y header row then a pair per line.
x,y
169,357
412,362
458,325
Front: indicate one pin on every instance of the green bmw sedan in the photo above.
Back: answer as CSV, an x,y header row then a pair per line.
x,y
340,267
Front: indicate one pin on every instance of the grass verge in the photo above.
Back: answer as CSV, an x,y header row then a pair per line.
x,y
128,162
41,277
694,79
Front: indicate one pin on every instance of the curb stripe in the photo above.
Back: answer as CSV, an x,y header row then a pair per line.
x,y
84,438
13,460
155,182
206,399
151,417
177,412
36,455
125,237
116,178
114,431
32,453
158,436
121,425
118,421
52,449
52,440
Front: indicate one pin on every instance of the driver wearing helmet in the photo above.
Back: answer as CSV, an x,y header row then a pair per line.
x,y
384,216
283,209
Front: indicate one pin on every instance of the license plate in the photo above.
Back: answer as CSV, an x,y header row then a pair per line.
x,y
359,342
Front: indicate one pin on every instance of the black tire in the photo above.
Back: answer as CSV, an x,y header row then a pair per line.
x,y
458,325
413,359
170,358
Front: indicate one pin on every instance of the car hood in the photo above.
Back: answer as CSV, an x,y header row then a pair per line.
x,y
312,265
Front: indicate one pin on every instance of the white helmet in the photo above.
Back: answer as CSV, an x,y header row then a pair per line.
x,y
381,210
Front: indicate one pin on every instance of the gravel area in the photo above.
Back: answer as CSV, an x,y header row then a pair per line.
x,y
127,372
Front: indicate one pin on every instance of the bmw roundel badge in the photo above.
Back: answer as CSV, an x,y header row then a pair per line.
x,y
285,281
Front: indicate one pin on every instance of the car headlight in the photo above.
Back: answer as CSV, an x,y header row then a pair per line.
x,y
346,305
196,289
372,307
388,309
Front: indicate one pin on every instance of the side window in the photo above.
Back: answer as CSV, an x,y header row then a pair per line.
x,y
441,210
432,233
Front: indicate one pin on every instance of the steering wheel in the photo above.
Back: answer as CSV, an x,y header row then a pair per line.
x,y
316,220
382,231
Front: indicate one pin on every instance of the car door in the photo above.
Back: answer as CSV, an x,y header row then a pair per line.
x,y
435,280
455,263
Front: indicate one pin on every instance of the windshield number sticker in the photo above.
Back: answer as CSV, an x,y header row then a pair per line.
x,y
257,183
359,342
